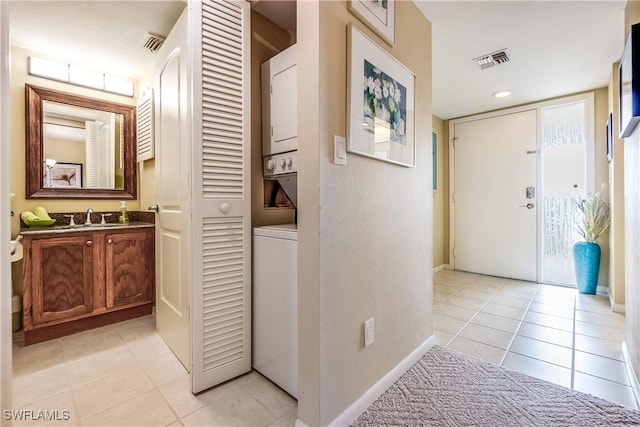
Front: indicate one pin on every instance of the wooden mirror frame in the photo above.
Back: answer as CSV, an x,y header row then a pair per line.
x,y
34,97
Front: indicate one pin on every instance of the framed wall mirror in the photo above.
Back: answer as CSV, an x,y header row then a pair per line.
x,y
78,147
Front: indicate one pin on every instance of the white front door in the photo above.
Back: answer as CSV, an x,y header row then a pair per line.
x,y
495,161
172,166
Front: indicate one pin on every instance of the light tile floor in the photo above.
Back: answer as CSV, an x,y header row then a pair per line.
x,y
125,375
549,332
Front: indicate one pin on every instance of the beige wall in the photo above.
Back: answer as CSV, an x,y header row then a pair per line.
x,y
632,225
19,77
365,230
267,39
616,197
441,195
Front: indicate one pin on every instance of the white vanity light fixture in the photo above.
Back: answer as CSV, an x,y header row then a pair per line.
x,y
48,69
79,76
86,78
117,85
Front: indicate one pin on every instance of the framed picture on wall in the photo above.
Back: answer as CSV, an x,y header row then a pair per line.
x,y
379,15
64,175
380,103
630,83
609,137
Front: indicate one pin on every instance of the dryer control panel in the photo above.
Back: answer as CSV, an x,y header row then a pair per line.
x,y
280,164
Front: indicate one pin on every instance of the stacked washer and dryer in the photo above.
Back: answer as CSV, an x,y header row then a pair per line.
x,y
275,247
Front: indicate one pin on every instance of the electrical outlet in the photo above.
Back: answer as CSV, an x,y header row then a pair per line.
x,y
369,332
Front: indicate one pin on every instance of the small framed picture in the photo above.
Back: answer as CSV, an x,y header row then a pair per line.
x,y
63,175
380,103
630,83
609,130
379,15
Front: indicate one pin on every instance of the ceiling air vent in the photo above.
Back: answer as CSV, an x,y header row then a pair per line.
x,y
492,59
152,42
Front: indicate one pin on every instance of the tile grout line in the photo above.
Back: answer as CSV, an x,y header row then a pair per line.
x,y
478,311
515,334
468,322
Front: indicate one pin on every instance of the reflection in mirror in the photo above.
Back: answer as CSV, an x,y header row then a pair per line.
x,y
79,147
92,139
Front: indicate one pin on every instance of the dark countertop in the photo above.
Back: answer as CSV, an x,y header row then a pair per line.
x,y
61,229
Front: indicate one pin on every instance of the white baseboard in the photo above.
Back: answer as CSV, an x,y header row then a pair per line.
x,y
618,308
300,423
376,390
441,267
633,377
602,290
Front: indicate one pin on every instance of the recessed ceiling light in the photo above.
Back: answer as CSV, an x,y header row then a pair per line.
x,y
501,93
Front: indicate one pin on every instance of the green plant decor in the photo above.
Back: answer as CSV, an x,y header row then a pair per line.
x,y
592,216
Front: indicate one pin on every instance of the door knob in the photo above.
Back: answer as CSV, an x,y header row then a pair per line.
x,y
528,206
224,208
154,208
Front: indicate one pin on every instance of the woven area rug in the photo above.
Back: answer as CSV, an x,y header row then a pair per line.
x,y
446,388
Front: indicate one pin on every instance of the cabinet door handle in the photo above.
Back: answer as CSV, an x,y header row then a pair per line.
x,y
109,241
89,243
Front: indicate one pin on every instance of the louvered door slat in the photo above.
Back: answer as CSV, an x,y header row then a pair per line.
x,y
222,296
224,94
222,315
221,66
144,127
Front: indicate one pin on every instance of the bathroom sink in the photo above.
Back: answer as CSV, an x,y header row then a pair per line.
x,y
108,224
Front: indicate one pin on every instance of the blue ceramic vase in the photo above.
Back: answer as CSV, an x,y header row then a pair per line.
x,y
586,256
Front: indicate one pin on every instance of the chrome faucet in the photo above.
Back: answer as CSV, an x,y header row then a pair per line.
x,y
88,220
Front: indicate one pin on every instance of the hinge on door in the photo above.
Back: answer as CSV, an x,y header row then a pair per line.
x,y
271,130
454,252
453,141
454,197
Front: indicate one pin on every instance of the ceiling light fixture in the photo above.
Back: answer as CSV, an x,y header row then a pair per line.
x,y
501,93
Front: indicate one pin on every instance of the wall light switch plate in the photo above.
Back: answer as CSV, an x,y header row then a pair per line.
x,y
369,332
339,150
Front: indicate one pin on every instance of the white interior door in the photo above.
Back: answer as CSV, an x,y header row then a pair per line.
x,y
221,193
494,162
172,166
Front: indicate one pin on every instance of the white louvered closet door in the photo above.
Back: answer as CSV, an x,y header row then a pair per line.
x,y
221,220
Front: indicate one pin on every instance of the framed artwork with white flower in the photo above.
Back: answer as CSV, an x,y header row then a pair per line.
x,y
380,103
379,15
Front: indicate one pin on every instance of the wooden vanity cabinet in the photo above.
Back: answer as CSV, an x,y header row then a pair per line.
x,y
81,280
130,268
62,278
